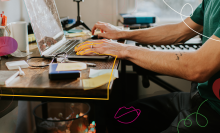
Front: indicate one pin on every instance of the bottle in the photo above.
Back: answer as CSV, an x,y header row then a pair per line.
x,y
4,19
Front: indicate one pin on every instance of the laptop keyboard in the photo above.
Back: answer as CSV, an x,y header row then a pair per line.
x,y
68,47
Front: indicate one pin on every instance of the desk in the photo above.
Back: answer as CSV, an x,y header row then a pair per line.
x,y
36,82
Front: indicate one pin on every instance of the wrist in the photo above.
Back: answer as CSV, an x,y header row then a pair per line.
x,y
123,34
127,51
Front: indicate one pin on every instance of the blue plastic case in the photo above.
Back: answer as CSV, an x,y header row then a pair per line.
x,y
53,74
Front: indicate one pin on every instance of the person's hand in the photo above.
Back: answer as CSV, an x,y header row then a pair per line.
x,y
102,47
108,31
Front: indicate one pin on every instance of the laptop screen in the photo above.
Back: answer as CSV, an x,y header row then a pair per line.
x,y
45,22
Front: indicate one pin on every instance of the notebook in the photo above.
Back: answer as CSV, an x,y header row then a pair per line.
x,y
7,76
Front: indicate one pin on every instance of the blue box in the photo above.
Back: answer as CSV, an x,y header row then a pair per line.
x,y
133,19
53,74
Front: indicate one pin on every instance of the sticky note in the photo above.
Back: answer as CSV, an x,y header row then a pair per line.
x,y
94,73
97,81
71,66
75,34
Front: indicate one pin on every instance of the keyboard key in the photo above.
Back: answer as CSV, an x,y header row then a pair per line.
x,y
157,48
181,46
194,46
167,46
163,47
173,46
187,47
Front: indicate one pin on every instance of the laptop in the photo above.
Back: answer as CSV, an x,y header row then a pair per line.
x,y
48,30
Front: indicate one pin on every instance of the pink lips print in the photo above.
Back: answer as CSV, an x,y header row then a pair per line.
x,y
216,88
138,111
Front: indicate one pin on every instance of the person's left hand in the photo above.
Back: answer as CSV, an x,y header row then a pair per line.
x,y
102,47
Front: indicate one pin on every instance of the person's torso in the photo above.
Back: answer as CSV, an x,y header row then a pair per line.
x,y
210,24
211,18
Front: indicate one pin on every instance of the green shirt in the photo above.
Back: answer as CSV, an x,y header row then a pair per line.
x,y
208,15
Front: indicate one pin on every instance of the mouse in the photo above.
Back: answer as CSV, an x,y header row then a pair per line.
x,y
94,37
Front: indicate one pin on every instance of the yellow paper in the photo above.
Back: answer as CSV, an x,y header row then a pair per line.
x,y
75,34
97,81
71,66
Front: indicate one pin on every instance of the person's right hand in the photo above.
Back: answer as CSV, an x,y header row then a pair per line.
x,y
109,31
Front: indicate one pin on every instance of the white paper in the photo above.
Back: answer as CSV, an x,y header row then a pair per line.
x,y
17,63
94,73
14,64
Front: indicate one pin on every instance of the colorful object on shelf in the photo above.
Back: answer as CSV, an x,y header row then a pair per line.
x,y
137,19
31,38
4,19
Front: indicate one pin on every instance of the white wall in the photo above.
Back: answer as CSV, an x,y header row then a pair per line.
x,y
91,10
15,10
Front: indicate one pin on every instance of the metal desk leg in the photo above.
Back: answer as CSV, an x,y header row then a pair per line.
x,y
123,79
163,84
100,116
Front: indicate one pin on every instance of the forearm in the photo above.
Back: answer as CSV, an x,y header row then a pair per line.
x,y
165,34
157,35
174,64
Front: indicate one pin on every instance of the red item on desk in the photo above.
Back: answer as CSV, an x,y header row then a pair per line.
x,y
4,20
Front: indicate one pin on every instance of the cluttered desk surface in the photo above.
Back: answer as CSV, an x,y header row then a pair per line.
x,y
36,80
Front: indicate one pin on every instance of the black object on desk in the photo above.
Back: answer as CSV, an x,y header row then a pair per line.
x,y
53,74
94,37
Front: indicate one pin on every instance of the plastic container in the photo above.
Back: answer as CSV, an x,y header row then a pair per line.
x,y
60,117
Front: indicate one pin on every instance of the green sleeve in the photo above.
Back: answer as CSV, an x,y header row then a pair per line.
x,y
217,32
198,15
